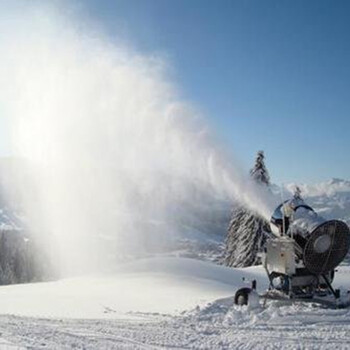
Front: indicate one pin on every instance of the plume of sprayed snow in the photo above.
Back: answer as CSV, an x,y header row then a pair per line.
x,y
110,150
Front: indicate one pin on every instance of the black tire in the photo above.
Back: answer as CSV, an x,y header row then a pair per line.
x,y
242,296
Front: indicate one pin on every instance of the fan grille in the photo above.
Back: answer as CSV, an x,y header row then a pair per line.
x,y
324,260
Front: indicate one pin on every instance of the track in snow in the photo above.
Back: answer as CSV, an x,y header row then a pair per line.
x,y
219,325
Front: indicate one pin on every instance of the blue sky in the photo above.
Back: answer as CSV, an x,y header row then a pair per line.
x,y
271,75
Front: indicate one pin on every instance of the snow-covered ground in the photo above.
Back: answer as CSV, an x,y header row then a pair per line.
x,y
164,303
156,285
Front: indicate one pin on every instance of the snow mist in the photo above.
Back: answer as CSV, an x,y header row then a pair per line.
x,y
110,154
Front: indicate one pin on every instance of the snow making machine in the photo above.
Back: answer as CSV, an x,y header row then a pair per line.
x,y
300,257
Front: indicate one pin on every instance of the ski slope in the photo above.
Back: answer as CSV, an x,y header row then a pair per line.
x,y
164,303
156,285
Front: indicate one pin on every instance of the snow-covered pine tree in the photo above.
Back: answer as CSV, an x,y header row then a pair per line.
x,y
245,234
259,172
297,194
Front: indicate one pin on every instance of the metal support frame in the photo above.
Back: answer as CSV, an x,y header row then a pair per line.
x,y
329,285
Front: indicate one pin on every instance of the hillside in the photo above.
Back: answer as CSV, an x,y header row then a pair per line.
x,y
331,199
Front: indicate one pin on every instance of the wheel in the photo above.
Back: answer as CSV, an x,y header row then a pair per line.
x,y
242,296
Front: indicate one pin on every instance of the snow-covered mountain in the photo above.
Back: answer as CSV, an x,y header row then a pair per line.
x,y
331,199
9,220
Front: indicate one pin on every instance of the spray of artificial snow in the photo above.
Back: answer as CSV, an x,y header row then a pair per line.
x,y
111,153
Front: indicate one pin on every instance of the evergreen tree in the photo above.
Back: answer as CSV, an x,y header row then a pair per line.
x,y
246,231
297,194
259,173
21,260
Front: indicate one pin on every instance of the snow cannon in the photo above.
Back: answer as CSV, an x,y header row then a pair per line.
x,y
319,244
301,254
